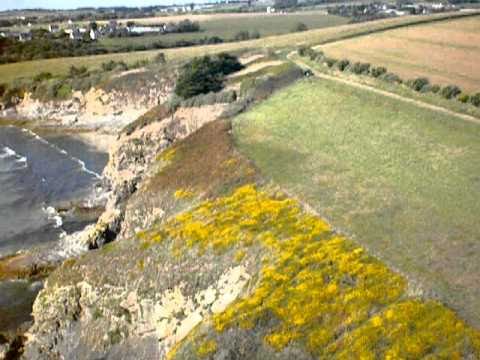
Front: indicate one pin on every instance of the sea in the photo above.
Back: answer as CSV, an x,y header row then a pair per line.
x,y
40,174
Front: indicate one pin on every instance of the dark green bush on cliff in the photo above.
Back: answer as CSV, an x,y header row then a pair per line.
x,y
450,91
475,100
205,74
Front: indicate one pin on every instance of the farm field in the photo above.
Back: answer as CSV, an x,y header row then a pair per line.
x,y
226,28
401,180
445,52
9,72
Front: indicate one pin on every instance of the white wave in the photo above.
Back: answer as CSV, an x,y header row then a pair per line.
x,y
73,244
53,215
62,151
7,152
19,161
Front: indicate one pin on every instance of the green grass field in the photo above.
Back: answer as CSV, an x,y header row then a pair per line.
x,y
401,180
226,28
9,72
399,89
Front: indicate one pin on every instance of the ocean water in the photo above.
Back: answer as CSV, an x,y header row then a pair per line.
x,y
38,175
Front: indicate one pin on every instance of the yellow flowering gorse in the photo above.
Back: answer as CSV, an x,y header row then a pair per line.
x,y
327,293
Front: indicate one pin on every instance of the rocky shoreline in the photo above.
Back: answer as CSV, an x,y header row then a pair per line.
x,y
130,156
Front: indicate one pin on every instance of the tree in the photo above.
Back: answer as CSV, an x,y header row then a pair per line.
x,y
450,91
205,74
299,27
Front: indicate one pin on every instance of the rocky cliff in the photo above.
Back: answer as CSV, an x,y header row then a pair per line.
x,y
109,110
213,262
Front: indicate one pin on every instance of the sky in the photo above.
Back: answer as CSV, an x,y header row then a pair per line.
x,y
71,4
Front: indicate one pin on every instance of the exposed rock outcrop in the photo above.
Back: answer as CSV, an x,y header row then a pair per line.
x,y
97,108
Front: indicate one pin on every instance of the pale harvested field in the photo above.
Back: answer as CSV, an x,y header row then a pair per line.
x,y
9,72
445,52
209,17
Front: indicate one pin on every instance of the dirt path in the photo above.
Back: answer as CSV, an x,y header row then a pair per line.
x,y
256,67
418,103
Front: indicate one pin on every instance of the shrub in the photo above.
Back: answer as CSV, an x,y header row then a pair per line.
x,y
77,71
42,76
160,58
330,62
140,64
112,65
303,50
475,100
205,74
227,64
227,97
3,89
450,91
299,27
13,95
361,68
392,78
378,71
241,35
343,64
464,98
255,34
435,89
418,84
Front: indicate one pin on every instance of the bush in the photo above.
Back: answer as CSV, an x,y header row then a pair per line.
x,y
255,34
360,68
435,89
299,27
13,96
112,65
378,71
330,62
392,78
475,100
3,89
227,64
418,84
205,74
303,50
242,35
464,98
160,58
42,76
343,64
76,72
450,91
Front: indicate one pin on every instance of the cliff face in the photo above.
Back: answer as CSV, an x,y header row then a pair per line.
x,y
130,300
110,110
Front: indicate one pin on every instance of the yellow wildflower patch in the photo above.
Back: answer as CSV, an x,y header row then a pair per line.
x,y
183,194
167,155
325,291
412,329
206,348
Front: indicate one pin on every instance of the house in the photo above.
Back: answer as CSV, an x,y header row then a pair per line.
x,y
25,36
75,33
53,28
94,34
438,7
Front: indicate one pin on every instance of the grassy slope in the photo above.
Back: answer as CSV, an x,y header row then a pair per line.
x,y
312,292
9,72
227,28
445,52
402,180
